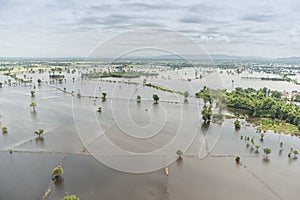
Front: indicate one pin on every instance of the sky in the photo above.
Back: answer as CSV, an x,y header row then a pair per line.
x,y
73,28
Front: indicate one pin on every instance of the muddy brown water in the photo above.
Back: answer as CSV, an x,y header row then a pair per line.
x,y
26,172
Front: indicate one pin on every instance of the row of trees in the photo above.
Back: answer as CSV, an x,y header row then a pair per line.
x,y
259,103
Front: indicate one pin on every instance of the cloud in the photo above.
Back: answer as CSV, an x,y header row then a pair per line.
x,y
258,17
214,39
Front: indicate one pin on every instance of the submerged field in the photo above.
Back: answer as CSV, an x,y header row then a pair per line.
x,y
74,137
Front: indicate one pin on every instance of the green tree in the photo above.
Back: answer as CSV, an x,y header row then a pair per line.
x,y
267,151
186,95
257,147
71,197
295,152
103,96
57,172
281,145
179,153
39,132
39,81
262,135
138,98
237,159
33,105
99,109
32,92
206,113
237,124
155,98
4,129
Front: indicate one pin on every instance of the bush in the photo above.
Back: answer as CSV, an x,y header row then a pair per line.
x,y
71,197
237,159
237,124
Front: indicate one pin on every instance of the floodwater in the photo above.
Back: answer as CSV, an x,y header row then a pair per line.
x,y
77,137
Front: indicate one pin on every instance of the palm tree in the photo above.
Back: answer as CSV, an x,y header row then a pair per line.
x,y
155,98
33,105
39,132
57,172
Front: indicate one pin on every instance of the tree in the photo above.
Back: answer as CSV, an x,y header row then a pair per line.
x,y
206,113
99,109
71,197
295,152
138,98
39,132
267,151
237,124
237,159
257,147
57,173
252,140
262,135
32,92
281,145
103,96
4,129
33,105
39,82
179,153
155,98
186,95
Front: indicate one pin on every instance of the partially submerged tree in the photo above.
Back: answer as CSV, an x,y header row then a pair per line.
x,y
33,105
262,135
267,151
295,152
281,145
207,113
57,173
155,98
39,82
138,98
237,159
237,124
71,197
39,132
186,95
32,92
103,96
4,129
257,147
179,153
99,109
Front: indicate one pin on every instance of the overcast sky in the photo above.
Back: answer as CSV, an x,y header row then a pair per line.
x,y
72,28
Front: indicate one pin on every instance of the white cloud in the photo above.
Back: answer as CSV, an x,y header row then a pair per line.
x,y
214,38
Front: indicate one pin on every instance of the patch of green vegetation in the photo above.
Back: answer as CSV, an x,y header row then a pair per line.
x,y
278,126
118,74
259,104
163,89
